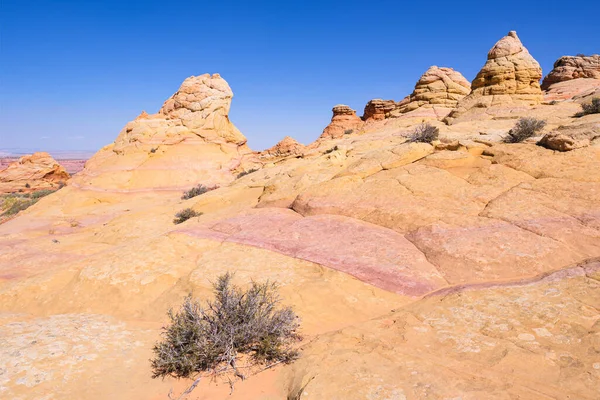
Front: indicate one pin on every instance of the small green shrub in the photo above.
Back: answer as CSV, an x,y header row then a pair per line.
x,y
236,323
197,191
185,214
244,173
590,108
523,129
42,193
15,202
348,131
425,133
18,204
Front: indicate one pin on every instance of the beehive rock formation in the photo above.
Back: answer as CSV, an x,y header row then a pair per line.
x,y
191,133
511,76
573,67
344,119
286,147
31,172
442,87
463,269
377,109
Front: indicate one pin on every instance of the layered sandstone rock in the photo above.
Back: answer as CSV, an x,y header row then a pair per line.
x,y
343,121
32,172
441,87
567,68
510,77
288,146
573,136
572,89
378,109
191,133
449,271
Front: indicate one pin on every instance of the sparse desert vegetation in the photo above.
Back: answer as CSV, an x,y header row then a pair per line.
x,y
331,150
214,337
590,108
11,204
244,173
524,128
185,214
424,133
197,191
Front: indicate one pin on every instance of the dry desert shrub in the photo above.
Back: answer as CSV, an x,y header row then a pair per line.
x,y
197,191
331,150
590,108
185,214
244,173
425,133
524,129
211,338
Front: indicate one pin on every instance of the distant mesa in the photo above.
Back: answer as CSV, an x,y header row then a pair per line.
x,y
573,67
32,172
343,121
191,132
511,76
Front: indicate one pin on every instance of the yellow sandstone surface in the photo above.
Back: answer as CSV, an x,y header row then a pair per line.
x,y
420,271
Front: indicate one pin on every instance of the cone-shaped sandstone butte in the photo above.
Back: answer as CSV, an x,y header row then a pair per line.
x,y
190,133
511,76
37,171
442,87
344,119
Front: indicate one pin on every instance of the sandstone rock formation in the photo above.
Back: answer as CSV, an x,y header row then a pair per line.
x,y
572,89
573,136
437,87
191,133
463,270
37,171
288,146
344,120
573,67
377,109
509,77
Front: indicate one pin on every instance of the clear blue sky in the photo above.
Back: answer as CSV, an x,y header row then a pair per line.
x,y
73,72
